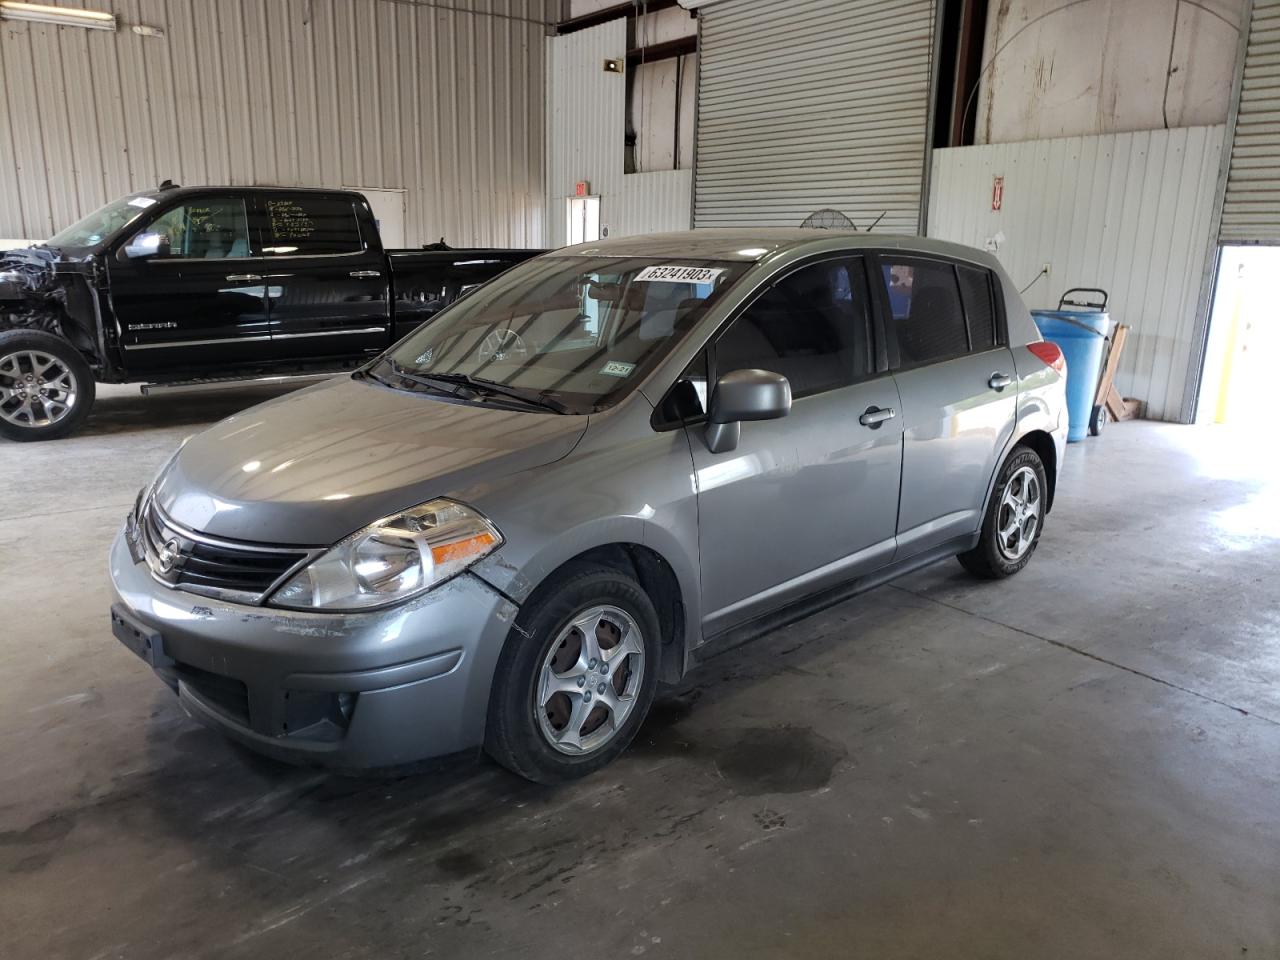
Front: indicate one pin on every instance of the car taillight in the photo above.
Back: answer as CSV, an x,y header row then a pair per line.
x,y
1050,353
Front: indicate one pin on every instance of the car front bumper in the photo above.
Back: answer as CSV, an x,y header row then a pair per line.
x,y
344,690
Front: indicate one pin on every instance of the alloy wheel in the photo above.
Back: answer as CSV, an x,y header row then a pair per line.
x,y
36,389
1019,516
590,680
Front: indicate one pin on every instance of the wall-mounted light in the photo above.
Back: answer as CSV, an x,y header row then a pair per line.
x,y
60,16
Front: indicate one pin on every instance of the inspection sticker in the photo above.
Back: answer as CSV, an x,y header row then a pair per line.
x,y
616,368
674,273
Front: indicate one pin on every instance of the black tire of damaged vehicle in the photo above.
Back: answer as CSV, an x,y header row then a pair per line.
x,y
110,306
988,561
46,387
512,734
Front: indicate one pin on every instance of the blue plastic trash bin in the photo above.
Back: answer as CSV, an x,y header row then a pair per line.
x,y
1081,336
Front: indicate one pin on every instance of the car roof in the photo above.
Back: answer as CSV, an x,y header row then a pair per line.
x,y
185,191
754,244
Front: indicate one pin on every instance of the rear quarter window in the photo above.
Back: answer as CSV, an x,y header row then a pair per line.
x,y
977,291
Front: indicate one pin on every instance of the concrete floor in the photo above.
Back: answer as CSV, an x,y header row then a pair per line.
x,y
1083,761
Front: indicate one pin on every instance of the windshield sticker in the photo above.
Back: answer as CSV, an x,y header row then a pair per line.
x,y
142,202
674,273
616,368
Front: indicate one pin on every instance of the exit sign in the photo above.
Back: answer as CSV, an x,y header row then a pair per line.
x,y
582,189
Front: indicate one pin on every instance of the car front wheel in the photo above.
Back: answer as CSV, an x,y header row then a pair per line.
x,y
576,678
1015,517
46,388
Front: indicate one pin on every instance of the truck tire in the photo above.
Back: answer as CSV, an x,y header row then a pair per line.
x,y
46,387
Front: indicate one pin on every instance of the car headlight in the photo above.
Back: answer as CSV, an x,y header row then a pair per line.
x,y
393,559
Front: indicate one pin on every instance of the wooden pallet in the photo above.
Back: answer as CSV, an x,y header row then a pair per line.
x,y
1120,408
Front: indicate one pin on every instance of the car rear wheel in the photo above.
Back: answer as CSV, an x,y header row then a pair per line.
x,y
1015,517
576,678
46,388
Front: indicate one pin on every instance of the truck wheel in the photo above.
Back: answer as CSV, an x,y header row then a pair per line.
x,y
46,388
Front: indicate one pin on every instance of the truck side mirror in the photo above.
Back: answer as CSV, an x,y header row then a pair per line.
x,y
744,395
145,246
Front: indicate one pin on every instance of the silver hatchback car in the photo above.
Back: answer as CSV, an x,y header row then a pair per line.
x,y
581,479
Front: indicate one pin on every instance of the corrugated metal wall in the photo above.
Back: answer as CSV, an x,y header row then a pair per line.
x,y
1131,213
586,123
1251,212
377,93
810,104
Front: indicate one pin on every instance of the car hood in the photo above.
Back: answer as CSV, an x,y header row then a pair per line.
x,y
314,466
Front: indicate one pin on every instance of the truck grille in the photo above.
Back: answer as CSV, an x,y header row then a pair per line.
x,y
229,570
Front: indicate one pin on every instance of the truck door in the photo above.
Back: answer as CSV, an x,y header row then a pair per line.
x,y
326,276
186,289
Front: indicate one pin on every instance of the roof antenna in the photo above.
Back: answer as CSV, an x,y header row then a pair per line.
x,y
167,185
877,221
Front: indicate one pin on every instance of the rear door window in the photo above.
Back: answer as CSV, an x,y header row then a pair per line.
x,y
928,314
811,327
303,225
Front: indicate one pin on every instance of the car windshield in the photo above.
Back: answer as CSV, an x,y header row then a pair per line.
x,y
102,223
568,333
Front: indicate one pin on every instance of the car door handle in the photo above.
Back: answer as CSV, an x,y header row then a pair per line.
x,y
874,416
243,277
364,274
999,380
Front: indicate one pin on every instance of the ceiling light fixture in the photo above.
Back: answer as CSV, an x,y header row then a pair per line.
x,y
59,16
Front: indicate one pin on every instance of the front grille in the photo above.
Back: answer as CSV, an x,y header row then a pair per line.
x,y
205,565
228,695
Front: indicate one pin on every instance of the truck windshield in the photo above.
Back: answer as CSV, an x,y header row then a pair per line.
x,y
572,333
102,223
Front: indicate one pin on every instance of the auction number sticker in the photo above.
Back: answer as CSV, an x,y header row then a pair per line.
x,y
142,202
616,368
674,273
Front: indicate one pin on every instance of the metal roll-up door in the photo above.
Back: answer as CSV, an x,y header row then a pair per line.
x,y
813,104
1251,212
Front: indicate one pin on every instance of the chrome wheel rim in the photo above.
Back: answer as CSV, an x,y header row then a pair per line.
x,y
1018,518
36,389
590,680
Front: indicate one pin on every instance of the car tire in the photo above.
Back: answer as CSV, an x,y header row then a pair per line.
x,y
537,697
1010,533
39,401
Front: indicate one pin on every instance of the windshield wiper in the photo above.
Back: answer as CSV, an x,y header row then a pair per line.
x,y
489,387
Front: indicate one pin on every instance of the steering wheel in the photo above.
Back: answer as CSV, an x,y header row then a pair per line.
x,y
501,344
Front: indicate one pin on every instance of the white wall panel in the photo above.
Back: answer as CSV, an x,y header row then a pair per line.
x,y
811,104
586,117
444,101
1131,213
1060,69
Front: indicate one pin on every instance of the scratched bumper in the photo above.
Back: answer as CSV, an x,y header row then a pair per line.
x,y
353,691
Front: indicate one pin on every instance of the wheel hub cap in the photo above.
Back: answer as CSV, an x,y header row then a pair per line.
x,y
36,389
589,680
1018,518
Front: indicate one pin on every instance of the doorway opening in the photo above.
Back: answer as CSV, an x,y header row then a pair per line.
x,y
583,223
1244,334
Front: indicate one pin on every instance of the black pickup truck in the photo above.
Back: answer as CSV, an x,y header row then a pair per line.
x,y
187,285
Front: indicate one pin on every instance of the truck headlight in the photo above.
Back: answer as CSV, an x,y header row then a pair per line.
x,y
393,559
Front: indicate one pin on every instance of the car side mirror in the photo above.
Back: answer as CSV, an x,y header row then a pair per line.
x,y
744,395
145,246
